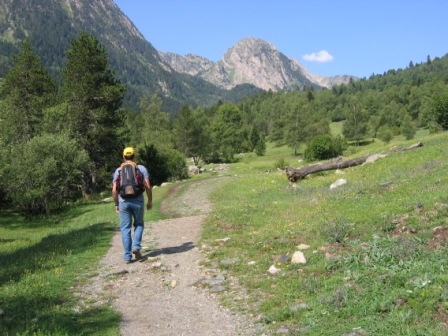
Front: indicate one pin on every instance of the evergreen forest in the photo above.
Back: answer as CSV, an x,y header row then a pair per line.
x,y
61,139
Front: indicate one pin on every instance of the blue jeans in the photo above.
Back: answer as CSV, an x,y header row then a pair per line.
x,y
131,212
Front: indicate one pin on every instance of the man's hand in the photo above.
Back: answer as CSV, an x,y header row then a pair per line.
x,y
149,205
117,209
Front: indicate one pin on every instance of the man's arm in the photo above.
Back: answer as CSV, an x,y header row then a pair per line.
x,y
148,193
115,196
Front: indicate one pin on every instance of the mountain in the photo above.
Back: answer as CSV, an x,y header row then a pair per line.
x,y
251,61
51,24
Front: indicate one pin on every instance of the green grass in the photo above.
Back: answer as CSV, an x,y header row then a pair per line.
x,y
44,262
370,264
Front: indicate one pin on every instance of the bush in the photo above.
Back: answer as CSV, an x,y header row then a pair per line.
x,y
323,147
163,166
441,110
385,134
44,173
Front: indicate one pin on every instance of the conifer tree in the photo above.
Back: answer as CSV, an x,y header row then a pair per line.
x,y
93,96
27,90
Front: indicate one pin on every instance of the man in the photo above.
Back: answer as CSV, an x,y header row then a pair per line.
x,y
131,207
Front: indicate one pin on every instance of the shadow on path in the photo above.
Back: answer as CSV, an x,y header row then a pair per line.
x,y
170,250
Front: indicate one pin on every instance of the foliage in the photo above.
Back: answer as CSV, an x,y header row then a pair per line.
x,y
44,173
192,133
93,96
385,133
27,90
228,132
324,147
163,165
260,146
356,122
441,110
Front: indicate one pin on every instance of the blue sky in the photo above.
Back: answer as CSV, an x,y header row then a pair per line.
x,y
327,37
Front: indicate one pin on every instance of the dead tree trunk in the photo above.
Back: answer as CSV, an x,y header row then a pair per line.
x,y
297,174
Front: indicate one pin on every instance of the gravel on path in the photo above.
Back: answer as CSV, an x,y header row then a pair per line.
x,y
159,295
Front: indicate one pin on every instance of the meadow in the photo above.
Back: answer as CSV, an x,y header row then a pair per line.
x,y
375,263
376,259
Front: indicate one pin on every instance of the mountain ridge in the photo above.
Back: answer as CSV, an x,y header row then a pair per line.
x,y
252,61
190,79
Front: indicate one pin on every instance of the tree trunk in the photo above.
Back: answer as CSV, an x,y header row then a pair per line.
x,y
297,174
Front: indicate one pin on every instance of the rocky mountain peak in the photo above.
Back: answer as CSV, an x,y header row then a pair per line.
x,y
251,61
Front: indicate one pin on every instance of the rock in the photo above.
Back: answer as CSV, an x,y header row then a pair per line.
x,y
303,247
215,281
438,229
298,258
373,158
251,262
156,265
300,306
217,289
223,240
338,183
282,330
229,261
274,270
339,172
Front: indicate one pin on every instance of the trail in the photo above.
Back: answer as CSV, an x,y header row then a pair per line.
x,y
161,295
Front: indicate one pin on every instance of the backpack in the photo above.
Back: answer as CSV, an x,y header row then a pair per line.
x,y
130,180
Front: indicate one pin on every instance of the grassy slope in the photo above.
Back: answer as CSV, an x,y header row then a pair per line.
x,y
370,263
364,267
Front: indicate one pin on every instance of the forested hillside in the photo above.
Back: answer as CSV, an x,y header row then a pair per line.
x,y
51,25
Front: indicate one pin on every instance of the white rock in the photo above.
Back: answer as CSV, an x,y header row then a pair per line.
x,y
252,262
223,239
298,258
374,157
338,183
274,270
303,247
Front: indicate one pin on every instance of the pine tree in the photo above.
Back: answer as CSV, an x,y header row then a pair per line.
x,y
93,96
27,90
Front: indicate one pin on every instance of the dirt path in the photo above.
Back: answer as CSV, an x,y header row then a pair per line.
x,y
161,295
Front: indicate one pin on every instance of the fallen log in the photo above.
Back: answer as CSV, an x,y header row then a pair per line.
x,y
294,174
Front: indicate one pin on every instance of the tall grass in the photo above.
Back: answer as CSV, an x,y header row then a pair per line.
x,y
374,260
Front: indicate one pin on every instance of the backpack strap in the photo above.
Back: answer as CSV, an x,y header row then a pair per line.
x,y
132,163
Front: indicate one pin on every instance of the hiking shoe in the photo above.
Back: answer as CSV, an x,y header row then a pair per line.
x,y
137,254
128,261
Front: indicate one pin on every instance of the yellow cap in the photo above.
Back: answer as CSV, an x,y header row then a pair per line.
x,y
129,151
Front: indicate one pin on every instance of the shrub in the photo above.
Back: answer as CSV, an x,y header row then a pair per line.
x,y
44,173
163,165
385,134
441,110
323,147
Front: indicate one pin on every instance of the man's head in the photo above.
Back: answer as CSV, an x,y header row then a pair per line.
x,y
129,153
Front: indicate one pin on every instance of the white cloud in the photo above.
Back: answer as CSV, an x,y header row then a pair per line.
x,y
320,56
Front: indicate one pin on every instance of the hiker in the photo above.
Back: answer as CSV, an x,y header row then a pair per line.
x,y
129,182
